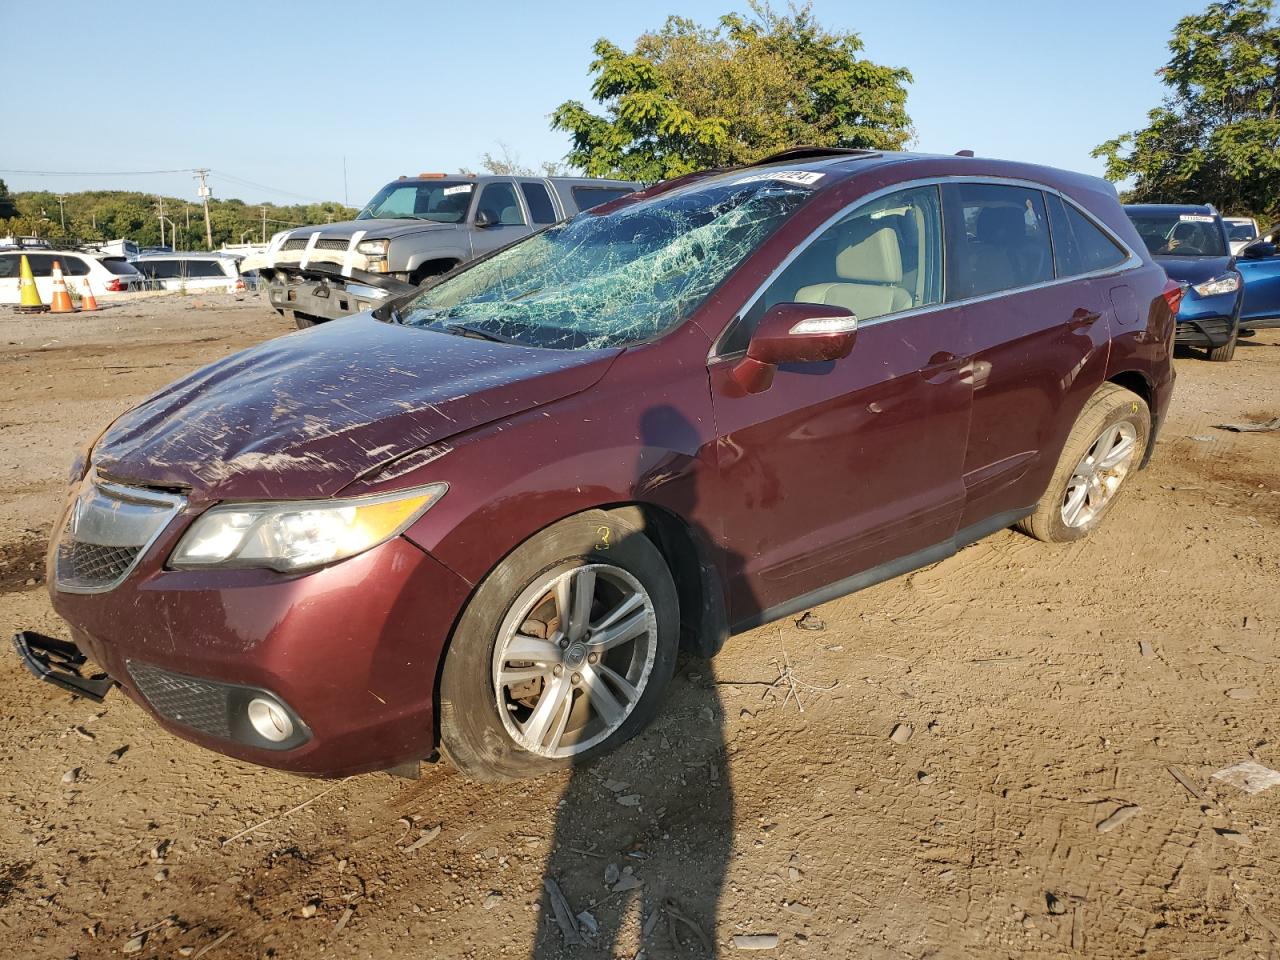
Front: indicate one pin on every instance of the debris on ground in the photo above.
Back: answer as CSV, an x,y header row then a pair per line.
x,y
1264,427
676,915
1191,788
901,733
563,913
1122,815
755,941
1249,776
1235,836
811,621
1242,693
425,837
1145,648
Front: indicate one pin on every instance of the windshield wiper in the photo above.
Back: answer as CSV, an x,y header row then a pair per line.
x,y
465,330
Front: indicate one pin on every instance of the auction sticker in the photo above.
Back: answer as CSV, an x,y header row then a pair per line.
x,y
805,178
1195,217
460,188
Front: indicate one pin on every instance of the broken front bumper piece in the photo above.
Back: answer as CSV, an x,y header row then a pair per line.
x,y
322,292
59,662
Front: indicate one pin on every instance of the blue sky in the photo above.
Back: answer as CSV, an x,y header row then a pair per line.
x,y
279,94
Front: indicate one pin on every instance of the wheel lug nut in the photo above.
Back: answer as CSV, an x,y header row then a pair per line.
x,y
576,678
557,670
564,643
592,657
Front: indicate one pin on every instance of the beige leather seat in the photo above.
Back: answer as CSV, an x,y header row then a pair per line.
x,y
870,275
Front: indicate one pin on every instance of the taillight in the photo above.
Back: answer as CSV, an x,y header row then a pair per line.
x,y
116,285
1172,294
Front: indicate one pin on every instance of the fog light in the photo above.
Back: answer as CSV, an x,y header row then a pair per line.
x,y
269,720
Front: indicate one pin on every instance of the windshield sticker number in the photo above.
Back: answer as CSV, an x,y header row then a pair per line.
x,y
805,178
1195,218
460,188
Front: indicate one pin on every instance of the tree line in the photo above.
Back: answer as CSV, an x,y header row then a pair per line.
x,y
110,214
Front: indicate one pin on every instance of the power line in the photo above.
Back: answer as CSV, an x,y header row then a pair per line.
x,y
93,173
262,186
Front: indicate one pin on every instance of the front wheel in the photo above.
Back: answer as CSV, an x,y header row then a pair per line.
x,y
562,654
1104,447
1226,351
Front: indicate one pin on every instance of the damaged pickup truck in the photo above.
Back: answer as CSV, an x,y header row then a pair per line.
x,y
413,229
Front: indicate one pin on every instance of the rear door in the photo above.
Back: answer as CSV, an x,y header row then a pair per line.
x,y
1039,341
844,466
499,199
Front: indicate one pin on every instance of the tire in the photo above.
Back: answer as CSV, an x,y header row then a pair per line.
x,y
1110,415
1225,352
491,730
304,321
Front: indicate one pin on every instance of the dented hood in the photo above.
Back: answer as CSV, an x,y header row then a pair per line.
x,y
306,414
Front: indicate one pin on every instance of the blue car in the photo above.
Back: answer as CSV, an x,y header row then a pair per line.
x,y
1259,264
1190,242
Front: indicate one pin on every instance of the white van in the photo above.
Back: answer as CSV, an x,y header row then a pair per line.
x,y
190,271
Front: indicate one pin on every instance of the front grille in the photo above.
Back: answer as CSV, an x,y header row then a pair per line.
x,y
108,529
92,564
194,703
337,243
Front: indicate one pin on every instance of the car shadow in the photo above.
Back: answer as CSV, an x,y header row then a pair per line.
x,y
643,836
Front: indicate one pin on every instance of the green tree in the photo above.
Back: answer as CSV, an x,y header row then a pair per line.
x,y
1216,137
7,207
689,97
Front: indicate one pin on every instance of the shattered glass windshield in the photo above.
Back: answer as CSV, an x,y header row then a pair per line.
x,y
605,280
444,201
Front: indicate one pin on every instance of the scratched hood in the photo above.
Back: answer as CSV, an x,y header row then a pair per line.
x,y
304,415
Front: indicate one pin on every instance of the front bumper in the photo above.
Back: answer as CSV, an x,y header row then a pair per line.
x,y
1207,321
351,651
321,293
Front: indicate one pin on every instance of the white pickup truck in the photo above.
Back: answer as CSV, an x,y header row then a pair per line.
x,y
413,229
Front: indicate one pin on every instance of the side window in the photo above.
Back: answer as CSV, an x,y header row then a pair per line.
x,y
588,197
161,269
205,268
883,258
10,266
997,239
540,208
75,267
1078,245
500,200
41,264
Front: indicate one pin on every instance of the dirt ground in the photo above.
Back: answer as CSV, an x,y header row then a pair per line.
x,y
1044,689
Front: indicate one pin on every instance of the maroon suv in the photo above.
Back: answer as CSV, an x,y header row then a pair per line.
x,y
487,516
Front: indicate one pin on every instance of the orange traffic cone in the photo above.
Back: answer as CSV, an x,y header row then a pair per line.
x,y
60,302
29,301
87,301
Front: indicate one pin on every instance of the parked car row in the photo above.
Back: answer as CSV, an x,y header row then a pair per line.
x,y
107,275
1229,286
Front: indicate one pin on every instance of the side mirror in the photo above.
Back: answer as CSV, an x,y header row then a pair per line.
x,y
794,333
485,218
1259,250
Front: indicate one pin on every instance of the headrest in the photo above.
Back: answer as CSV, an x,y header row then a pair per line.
x,y
1002,225
875,258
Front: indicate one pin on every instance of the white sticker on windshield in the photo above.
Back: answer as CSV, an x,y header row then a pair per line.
x,y
460,188
1195,217
805,178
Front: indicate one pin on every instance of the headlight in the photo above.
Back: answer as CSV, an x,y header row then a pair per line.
x,y
374,248
1227,283
301,534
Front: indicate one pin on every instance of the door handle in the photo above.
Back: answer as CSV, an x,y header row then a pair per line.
x,y
1082,318
942,360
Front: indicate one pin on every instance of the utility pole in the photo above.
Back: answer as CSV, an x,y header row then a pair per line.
x,y
160,214
204,195
62,215
264,223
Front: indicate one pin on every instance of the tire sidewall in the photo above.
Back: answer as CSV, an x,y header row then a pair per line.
x,y
472,734
1123,407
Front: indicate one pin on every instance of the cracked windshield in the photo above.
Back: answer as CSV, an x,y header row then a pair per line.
x,y
613,279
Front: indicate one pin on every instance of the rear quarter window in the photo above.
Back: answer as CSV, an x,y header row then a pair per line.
x,y
119,266
588,197
75,267
203,269
1079,245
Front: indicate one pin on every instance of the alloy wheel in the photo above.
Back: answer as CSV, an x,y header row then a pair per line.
x,y
1098,475
573,657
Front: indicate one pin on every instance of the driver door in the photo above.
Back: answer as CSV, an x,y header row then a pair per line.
x,y
847,465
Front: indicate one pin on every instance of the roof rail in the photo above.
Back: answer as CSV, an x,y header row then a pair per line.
x,y
809,153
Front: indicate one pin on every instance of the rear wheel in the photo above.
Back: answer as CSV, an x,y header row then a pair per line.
x,y
1104,447
563,652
